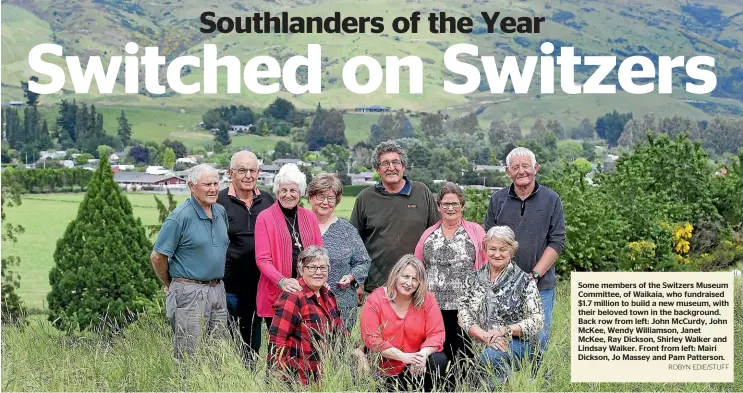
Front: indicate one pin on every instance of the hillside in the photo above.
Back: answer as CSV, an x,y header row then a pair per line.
x,y
635,27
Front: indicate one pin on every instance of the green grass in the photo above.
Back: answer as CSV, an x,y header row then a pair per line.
x,y
139,358
45,218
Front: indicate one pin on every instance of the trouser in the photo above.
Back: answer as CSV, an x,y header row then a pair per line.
x,y
243,313
348,316
433,378
548,302
504,363
187,305
457,343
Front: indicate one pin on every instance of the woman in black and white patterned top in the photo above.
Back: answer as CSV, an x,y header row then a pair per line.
x,y
451,250
349,261
500,305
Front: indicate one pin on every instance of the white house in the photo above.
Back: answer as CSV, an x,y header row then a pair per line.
x,y
186,160
362,178
51,154
156,170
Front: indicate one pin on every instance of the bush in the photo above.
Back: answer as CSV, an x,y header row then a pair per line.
x,y
11,306
102,268
353,191
725,255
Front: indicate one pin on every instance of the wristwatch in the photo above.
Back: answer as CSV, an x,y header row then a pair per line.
x,y
535,275
509,332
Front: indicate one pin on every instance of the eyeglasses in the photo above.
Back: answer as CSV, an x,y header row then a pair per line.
x,y
451,205
331,200
243,171
314,269
525,167
390,164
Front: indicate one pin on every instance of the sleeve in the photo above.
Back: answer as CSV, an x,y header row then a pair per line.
x,y
556,234
285,320
371,325
419,247
435,333
356,219
169,237
469,303
316,234
360,260
433,211
533,320
263,258
489,220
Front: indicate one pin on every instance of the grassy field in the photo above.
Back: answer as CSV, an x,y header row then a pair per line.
x,y
139,358
45,218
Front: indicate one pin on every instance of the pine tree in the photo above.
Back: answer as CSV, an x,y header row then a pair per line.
x,y
44,141
125,130
66,120
163,212
13,128
315,138
223,136
102,267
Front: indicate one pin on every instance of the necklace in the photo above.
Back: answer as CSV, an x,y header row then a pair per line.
x,y
294,234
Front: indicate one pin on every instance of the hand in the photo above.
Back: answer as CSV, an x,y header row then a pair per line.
x,y
360,296
290,285
345,281
414,359
418,370
487,336
499,342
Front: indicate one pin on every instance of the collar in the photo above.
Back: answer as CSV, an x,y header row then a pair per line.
x,y
199,210
405,189
512,191
309,292
231,192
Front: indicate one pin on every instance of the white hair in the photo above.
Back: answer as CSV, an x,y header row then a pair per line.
x,y
195,173
237,155
521,152
290,173
504,234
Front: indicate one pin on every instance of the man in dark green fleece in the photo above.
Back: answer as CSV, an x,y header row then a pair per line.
x,y
392,215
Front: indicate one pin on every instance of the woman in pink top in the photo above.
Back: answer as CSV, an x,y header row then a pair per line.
x,y
281,232
451,250
402,322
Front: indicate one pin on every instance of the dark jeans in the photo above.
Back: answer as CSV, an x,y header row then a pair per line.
x,y
433,377
457,343
242,312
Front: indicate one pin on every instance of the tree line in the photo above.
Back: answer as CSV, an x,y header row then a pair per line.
x,y
47,180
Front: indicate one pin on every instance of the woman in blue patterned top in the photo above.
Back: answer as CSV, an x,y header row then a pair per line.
x,y
349,261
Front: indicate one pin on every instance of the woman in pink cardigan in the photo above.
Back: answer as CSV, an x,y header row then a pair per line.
x,y
281,232
451,250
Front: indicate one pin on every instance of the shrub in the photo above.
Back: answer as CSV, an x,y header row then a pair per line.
x,y
102,268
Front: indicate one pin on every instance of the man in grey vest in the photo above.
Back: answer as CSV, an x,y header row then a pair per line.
x,y
534,213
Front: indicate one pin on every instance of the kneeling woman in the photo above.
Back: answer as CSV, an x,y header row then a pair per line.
x,y
403,322
304,318
501,306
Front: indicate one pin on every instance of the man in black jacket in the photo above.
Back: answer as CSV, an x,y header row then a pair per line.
x,y
243,201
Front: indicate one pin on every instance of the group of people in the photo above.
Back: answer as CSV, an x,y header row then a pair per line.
x,y
429,282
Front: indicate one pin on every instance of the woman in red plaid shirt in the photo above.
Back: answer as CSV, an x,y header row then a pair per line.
x,y
304,318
